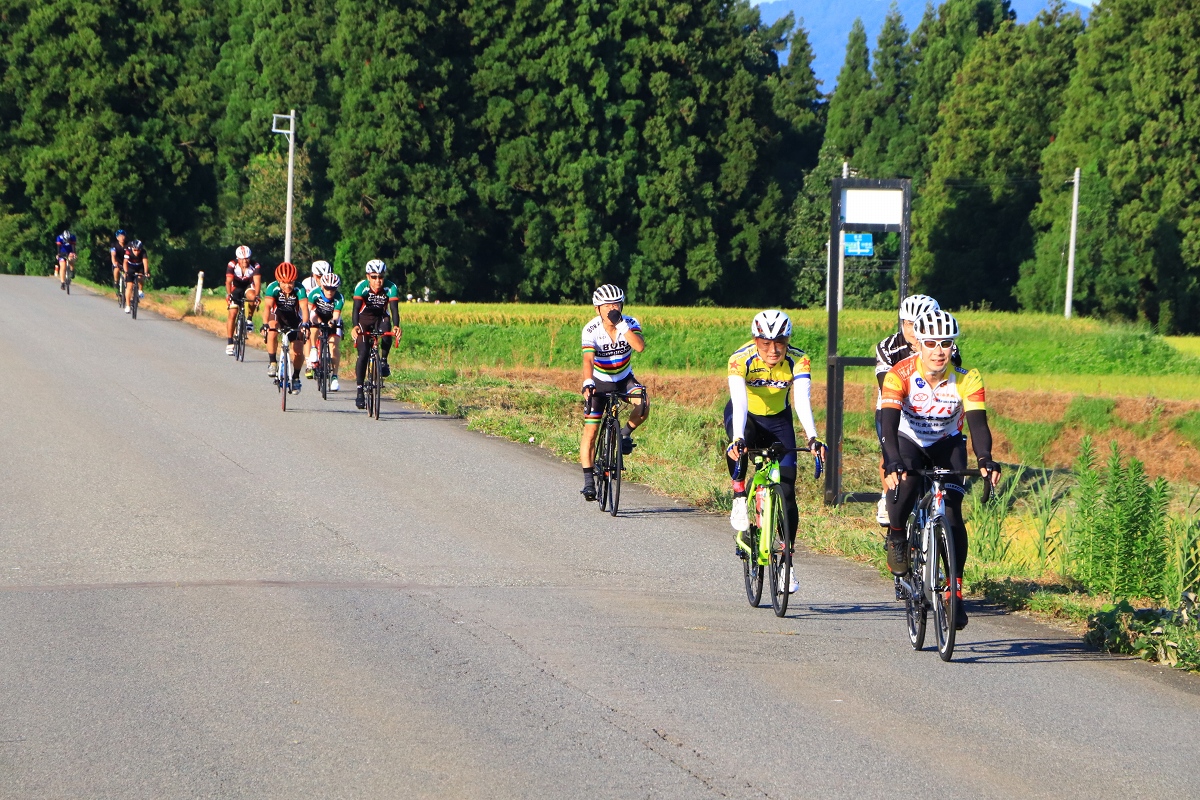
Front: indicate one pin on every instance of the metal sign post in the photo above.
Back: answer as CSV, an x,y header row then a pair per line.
x,y
290,132
859,205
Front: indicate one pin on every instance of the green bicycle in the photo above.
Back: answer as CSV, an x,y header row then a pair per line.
x,y
766,549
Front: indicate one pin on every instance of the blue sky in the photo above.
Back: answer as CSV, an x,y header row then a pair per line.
x,y
828,24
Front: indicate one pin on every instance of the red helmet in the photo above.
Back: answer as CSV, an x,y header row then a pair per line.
x,y
285,271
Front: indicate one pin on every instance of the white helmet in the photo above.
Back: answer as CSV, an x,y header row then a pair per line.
x,y
320,268
936,325
771,325
242,252
915,305
376,267
607,294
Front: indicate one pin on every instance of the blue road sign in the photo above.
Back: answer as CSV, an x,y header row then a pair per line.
x,y
860,244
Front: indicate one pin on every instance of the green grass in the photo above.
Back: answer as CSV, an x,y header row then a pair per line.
x,y
1091,414
1030,440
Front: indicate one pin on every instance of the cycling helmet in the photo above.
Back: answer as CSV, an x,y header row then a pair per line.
x,y
320,268
137,245
330,280
242,252
120,232
607,294
936,325
915,305
376,267
285,272
771,325
66,234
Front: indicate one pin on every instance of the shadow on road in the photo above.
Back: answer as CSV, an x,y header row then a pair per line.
x,y
1025,651
635,513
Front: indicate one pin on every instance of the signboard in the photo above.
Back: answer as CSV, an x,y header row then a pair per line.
x,y
860,244
872,207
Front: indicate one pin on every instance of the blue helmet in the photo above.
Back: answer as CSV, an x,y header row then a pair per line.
x,y
120,232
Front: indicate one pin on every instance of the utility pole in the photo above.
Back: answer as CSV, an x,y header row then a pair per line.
x,y
290,132
1071,247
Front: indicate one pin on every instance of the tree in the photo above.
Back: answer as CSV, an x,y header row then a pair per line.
x,y
849,112
992,130
886,149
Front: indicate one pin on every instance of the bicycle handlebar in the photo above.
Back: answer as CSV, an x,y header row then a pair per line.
x,y
940,473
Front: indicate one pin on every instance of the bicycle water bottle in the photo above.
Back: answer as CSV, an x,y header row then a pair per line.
x,y
759,498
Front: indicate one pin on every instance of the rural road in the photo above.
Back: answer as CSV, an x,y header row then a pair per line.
x,y
201,596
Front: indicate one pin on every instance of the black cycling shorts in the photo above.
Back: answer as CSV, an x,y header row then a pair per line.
x,y
593,407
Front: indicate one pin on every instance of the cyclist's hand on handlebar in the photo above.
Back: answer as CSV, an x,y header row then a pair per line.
x,y
990,470
894,473
735,449
589,386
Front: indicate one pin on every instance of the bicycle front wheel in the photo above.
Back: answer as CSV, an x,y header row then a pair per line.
x,y
133,302
323,366
945,598
377,392
600,468
915,608
369,389
239,336
780,566
616,462
121,292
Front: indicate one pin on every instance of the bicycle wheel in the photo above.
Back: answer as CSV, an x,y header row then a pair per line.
x,y
323,365
377,384
67,282
945,601
133,301
752,571
600,470
283,382
369,386
616,462
121,291
239,335
916,611
781,554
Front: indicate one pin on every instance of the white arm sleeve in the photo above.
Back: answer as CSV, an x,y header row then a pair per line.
x,y
801,401
741,406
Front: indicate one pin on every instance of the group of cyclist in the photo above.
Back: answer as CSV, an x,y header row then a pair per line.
x,y
301,310
925,397
127,256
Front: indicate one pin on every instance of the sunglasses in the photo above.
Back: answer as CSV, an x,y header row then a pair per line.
x,y
930,344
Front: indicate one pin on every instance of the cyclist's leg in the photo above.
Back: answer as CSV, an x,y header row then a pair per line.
x,y
593,414
130,283
236,296
781,428
900,503
951,453
335,347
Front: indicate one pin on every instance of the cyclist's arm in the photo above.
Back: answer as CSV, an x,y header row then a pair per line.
x,y
802,402
981,434
303,307
589,360
113,255
146,264
257,285
889,417
741,405
228,281
394,308
267,304
358,304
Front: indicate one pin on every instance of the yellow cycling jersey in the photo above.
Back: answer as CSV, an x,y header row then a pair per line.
x,y
767,387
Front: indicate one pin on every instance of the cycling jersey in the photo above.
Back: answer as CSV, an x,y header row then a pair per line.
x,y
767,388
242,278
287,306
324,306
375,303
117,252
612,360
65,246
135,260
310,283
929,414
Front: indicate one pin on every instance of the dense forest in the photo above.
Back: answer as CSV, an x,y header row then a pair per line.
x,y
508,149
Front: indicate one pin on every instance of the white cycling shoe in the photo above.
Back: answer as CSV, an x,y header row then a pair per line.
x,y
126,309
739,518
229,350
793,584
881,515
333,384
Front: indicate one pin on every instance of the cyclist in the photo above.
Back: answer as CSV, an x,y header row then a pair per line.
x,y
137,267
609,341
313,284
925,401
285,308
768,378
892,351
325,306
65,242
377,310
117,254
243,283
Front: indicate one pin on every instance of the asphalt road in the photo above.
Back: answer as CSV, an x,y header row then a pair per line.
x,y
201,596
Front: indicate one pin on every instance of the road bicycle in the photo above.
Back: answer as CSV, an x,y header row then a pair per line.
x,y
373,384
766,549
929,582
121,289
607,459
323,370
135,295
283,379
68,274
239,332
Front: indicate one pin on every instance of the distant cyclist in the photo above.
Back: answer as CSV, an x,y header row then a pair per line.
x,y
325,307
285,308
926,399
243,284
376,309
137,268
117,254
311,284
609,342
65,258
768,378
